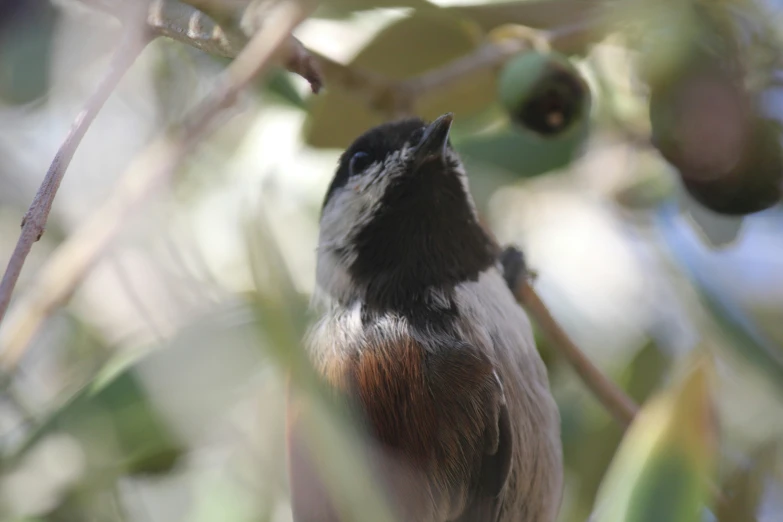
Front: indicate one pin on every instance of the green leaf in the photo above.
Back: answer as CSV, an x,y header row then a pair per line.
x,y
407,48
328,430
665,489
744,487
522,154
646,371
280,85
119,429
26,35
538,14
591,436
666,460
645,192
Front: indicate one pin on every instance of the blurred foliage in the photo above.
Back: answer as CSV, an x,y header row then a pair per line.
x,y
657,85
706,110
26,38
538,14
115,423
523,146
522,155
331,437
280,84
405,49
744,487
744,333
591,460
429,40
664,466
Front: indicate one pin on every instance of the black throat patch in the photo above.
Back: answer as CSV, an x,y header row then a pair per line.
x,y
423,237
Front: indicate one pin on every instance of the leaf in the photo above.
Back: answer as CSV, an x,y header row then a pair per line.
x,y
433,38
538,14
328,430
645,192
645,372
591,436
118,428
744,487
407,48
522,154
280,85
27,32
663,468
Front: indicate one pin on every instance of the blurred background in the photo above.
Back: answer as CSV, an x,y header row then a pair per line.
x,y
648,208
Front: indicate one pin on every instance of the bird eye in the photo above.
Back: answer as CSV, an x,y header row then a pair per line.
x,y
359,162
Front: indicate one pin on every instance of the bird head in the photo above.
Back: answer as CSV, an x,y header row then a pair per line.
x,y
398,218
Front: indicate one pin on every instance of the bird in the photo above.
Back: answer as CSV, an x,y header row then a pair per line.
x,y
418,330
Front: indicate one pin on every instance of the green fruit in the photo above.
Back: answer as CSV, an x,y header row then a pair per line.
x,y
544,93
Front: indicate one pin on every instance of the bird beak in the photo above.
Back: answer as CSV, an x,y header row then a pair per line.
x,y
433,143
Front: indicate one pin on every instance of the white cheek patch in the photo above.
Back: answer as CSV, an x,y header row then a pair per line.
x,y
356,202
346,214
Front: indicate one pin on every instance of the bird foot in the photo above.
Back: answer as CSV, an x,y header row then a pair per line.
x,y
515,268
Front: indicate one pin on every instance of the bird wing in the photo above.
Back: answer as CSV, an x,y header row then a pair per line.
x,y
486,499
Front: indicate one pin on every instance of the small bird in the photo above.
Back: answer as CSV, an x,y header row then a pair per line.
x,y
419,330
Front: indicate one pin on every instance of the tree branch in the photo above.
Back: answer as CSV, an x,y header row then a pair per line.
x,y
218,26
399,97
215,28
34,222
71,261
491,55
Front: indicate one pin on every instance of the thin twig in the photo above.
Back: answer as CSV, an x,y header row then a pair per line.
x,y
71,261
34,222
609,394
218,25
184,23
393,97
182,20
489,56
214,27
